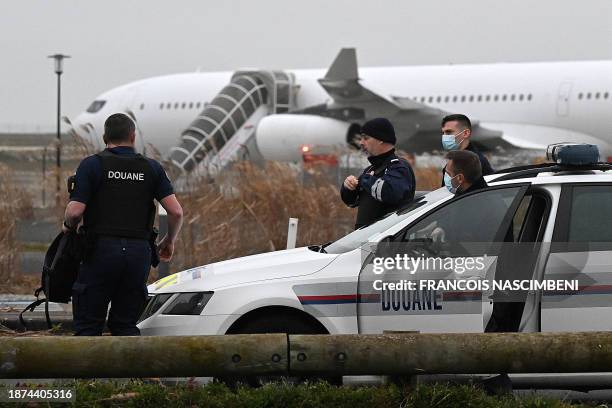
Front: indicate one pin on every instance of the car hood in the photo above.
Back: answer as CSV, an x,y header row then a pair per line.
x,y
270,265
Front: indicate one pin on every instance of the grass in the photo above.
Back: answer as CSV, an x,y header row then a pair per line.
x,y
15,203
145,394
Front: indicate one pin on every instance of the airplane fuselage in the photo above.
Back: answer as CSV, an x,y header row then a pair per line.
x,y
573,98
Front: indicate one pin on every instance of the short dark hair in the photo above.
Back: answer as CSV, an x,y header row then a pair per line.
x,y
466,163
118,127
463,120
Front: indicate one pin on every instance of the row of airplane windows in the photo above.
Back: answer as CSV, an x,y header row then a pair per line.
x,y
594,95
422,99
177,105
474,98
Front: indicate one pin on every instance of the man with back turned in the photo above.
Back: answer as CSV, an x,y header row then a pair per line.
x,y
114,196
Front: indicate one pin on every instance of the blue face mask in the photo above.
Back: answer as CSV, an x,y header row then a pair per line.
x,y
448,182
449,141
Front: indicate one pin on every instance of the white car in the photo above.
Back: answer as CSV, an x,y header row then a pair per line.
x,y
561,212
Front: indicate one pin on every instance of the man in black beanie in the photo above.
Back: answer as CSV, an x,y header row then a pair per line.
x,y
384,186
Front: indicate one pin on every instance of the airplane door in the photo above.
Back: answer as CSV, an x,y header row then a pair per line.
x,y
444,242
565,89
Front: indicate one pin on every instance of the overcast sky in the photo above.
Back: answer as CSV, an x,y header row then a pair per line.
x,y
114,42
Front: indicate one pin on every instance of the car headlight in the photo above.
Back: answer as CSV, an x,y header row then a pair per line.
x,y
190,303
154,304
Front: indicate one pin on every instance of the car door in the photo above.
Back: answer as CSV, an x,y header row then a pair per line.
x,y
582,251
467,227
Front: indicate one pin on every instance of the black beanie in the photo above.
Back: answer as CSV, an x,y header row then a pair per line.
x,y
379,128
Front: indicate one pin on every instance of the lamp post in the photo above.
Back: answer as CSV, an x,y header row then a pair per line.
x,y
59,65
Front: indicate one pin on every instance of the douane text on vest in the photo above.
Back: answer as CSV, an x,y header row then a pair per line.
x,y
124,175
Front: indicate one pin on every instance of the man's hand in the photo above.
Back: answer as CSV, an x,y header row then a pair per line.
x,y
438,235
351,182
166,249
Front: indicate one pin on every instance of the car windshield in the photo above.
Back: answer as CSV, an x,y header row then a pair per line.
x,y
358,237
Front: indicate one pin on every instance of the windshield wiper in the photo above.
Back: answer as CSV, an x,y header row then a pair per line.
x,y
319,248
325,246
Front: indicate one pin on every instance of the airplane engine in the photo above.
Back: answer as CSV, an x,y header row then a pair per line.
x,y
283,137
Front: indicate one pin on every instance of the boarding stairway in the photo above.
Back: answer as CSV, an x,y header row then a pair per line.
x,y
225,129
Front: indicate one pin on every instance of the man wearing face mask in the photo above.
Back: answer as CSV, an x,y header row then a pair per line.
x,y
463,173
384,186
456,132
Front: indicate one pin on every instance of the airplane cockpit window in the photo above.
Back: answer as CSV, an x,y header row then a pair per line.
x,y
95,106
606,95
529,97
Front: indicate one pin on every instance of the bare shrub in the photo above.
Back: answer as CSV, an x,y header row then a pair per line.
x,y
15,204
247,210
428,178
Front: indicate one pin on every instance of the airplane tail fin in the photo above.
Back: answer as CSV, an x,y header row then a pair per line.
x,y
344,66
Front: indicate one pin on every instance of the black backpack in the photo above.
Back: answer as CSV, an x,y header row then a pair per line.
x,y
59,272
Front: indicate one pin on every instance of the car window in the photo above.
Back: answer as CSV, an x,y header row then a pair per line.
x,y
591,214
476,218
358,237
519,217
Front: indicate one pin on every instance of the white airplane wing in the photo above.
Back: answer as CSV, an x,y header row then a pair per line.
x,y
539,137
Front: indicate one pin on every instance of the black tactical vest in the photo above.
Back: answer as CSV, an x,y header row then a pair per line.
x,y
370,209
123,204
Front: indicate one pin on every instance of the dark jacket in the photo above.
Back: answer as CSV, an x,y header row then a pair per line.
x,y
477,185
390,187
484,163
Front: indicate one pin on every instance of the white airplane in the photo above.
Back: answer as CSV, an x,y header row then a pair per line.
x,y
196,119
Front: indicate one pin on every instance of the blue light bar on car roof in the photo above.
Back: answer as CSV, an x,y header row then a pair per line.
x,y
572,154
